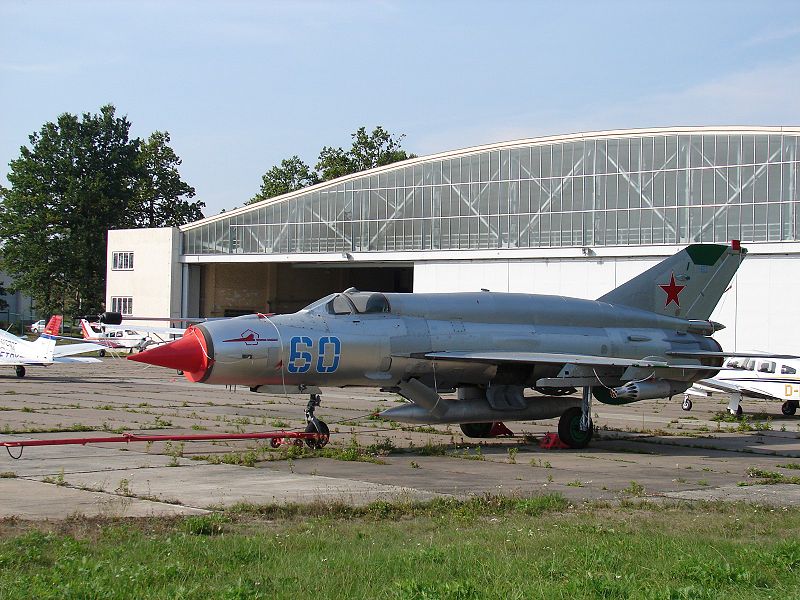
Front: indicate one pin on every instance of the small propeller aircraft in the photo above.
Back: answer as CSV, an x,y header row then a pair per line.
x,y
109,331
754,375
118,339
19,353
648,338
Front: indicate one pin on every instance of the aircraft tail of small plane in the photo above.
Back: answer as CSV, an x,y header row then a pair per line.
x,y
687,285
47,341
86,330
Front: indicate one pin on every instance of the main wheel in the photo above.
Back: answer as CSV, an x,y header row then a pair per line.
x,y
317,426
789,408
569,428
476,430
102,353
687,404
20,371
738,412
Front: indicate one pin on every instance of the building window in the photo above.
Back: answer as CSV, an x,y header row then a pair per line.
x,y
122,305
122,261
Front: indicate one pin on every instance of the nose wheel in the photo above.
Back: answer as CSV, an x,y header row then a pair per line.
x,y
314,425
687,403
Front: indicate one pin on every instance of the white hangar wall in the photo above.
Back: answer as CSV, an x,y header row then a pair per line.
x,y
143,273
760,310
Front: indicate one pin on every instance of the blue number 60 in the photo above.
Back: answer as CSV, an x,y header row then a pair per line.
x,y
299,356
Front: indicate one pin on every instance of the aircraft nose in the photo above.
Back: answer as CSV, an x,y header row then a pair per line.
x,y
188,354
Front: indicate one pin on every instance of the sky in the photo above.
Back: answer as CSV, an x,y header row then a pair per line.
x,y
241,85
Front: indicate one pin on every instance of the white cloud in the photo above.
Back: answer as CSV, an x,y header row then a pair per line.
x,y
765,95
775,35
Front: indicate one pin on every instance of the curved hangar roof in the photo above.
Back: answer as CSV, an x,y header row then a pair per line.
x,y
612,188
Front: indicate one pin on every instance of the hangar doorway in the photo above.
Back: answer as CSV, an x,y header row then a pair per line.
x,y
231,289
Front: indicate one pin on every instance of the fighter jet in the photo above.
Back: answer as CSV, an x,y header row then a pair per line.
x,y
648,338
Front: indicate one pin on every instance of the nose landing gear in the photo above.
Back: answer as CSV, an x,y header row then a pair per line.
x,y
314,425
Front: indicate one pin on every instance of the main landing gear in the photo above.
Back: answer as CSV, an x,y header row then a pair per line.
x,y
789,407
314,425
19,371
575,427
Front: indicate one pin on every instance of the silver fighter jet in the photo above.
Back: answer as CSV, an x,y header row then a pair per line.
x,y
648,338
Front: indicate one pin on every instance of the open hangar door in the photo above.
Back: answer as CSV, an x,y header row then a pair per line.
x,y
232,289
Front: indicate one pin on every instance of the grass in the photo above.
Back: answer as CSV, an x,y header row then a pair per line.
x,y
449,549
770,477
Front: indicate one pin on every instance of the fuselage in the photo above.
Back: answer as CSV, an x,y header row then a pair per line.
x,y
767,376
374,339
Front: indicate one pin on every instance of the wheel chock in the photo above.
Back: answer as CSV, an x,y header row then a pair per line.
x,y
551,441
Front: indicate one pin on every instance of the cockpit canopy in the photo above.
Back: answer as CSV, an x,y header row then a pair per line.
x,y
352,301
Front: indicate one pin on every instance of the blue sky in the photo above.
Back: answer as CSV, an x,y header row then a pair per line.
x,y
241,85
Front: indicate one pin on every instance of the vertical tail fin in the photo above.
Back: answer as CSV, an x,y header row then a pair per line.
x,y
46,343
688,284
53,325
87,332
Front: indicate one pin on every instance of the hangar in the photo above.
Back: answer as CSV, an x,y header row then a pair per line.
x,y
572,215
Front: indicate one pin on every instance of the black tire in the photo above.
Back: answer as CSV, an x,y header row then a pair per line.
x,y
317,426
687,404
19,371
102,353
789,408
569,428
476,430
738,412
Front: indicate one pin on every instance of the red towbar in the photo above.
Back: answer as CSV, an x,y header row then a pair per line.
x,y
277,438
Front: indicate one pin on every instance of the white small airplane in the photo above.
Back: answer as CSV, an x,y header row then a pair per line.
x,y
761,377
125,337
111,337
20,353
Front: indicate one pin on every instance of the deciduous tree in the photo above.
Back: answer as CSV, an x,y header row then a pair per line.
x,y
368,150
161,195
292,174
78,178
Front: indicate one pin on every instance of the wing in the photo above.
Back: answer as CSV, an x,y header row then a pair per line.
x,y
70,349
718,385
530,358
76,359
147,330
703,354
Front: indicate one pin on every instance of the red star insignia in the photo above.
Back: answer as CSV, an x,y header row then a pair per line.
x,y
672,290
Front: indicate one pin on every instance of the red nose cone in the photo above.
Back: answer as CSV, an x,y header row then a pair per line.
x,y
188,354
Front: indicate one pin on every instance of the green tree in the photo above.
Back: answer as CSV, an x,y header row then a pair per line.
x,y
375,149
292,174
79,178
3,292
161,197
74,183
333,163
368,150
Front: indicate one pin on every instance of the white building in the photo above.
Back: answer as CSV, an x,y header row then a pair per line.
x,y
571,215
